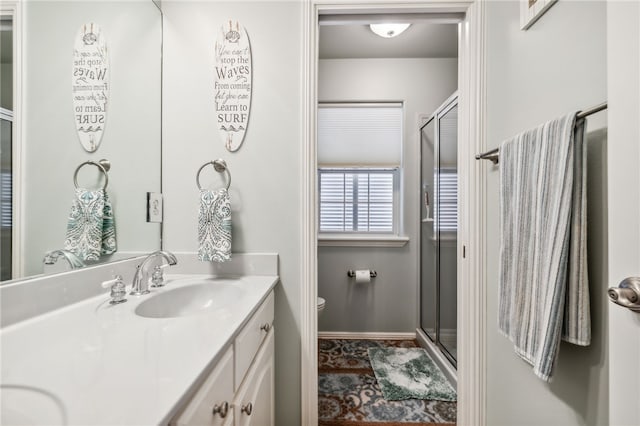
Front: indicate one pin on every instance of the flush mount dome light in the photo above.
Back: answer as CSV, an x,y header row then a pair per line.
x,y
388,30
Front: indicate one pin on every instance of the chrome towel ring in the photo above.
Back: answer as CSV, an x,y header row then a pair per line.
x,y
103,165
220,166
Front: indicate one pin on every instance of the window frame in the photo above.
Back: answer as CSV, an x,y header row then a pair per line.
x,y
395,172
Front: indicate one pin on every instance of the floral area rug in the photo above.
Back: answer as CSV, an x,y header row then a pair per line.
x,y
349,394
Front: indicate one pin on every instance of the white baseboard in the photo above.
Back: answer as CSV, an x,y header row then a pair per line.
x,y
365,335
438,357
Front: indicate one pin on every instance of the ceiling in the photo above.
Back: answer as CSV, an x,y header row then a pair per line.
x,y
420,40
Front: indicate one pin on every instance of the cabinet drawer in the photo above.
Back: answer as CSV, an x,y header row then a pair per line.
x,y
216,391
255,401
250,338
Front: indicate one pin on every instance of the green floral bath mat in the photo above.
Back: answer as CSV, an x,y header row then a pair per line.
x,y
409,373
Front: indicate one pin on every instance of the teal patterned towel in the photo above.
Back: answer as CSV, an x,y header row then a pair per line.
x,y
214,226
91,230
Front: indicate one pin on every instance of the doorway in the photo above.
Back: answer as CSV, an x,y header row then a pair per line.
x,y
471,328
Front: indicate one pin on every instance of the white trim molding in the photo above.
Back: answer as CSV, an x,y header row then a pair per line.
x,y
471,362
351,240
309,249
471,272
366,335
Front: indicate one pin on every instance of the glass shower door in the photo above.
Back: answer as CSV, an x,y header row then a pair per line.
x,y
439,228
6,200
446,225
428,278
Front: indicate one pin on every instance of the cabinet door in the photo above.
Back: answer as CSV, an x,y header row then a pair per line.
x,y
251,337
254,403
215,394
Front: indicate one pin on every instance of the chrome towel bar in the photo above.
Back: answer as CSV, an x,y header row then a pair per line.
x,y
494,155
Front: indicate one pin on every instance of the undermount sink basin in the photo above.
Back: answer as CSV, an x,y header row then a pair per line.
x,y
25,405
206,296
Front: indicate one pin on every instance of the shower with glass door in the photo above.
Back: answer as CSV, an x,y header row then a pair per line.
x,y
439,228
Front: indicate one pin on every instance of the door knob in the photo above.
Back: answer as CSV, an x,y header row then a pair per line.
x,y
627,293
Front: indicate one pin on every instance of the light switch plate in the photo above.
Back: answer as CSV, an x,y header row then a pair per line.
x,y
154,207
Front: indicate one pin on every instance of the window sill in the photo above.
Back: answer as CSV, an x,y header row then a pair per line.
x,y
333,240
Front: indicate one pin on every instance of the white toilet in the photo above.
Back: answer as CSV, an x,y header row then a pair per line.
x,y
321,303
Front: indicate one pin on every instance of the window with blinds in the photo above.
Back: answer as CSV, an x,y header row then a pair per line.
x,y
358,200
359,155
6,210
446,195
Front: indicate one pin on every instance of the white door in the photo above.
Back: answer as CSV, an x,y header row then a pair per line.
x,y
623,46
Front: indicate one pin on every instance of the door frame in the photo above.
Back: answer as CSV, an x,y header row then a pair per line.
x,y
14,9
471,247
623,246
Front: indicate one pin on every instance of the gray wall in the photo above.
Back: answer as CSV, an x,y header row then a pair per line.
x,y
131,139
389,303
556,66
266,174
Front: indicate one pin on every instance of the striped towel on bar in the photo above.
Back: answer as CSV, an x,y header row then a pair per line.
x,y
543,285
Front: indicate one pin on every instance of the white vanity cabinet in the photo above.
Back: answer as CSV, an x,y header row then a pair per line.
x,y
240,389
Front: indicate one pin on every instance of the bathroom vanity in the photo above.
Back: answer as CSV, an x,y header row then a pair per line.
x,y
239,390
199,350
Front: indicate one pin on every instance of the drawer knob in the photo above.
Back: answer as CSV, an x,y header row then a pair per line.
x,y
265,327
222,409
247,409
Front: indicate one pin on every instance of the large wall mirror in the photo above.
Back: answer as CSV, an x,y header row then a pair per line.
x,y
41,151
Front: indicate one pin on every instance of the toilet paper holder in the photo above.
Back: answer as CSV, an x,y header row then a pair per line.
x,y
352,273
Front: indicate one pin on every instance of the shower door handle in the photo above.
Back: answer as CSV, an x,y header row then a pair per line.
x,y
627,293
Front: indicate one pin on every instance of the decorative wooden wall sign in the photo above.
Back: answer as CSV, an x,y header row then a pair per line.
x,y
233,78
90,85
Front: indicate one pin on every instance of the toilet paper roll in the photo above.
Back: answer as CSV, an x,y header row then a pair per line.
x,y
363,276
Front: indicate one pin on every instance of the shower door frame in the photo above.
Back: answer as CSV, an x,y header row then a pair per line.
x,y
451,102
471,405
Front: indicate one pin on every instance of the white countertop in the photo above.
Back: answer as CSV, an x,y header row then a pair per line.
x,y
107,365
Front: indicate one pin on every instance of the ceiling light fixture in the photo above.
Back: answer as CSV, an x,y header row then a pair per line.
x,y
388,30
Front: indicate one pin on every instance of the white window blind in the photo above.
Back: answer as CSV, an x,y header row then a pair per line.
x,y
358,200
6,210
360,134
446,213
359,152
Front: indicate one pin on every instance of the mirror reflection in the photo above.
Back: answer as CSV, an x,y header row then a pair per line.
x,y
58,212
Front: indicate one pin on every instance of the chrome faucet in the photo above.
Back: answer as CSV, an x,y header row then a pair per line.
x,y
52,257
141,278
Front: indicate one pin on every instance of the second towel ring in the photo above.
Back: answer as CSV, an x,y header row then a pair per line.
x,y
220,166
103,165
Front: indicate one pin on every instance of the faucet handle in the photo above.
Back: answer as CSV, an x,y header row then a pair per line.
x,y
118,291
157,277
